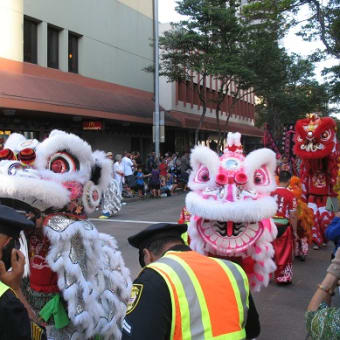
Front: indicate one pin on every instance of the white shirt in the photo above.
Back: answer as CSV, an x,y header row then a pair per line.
x,y
118,167
127,166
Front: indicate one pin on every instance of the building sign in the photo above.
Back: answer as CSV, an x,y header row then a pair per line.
x,y
92,125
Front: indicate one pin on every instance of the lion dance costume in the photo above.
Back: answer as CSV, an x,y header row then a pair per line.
x,y
231,207
78,282
316,145
305,220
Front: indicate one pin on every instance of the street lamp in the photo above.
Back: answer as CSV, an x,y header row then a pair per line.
x,y
156,52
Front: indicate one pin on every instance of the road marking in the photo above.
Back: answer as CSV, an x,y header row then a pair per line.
x,y
128,221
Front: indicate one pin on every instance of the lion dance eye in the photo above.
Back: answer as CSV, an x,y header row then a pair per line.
x,y
62,162
203,175
325,135
260,177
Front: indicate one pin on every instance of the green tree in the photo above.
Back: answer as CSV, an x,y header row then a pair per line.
x,y
211,42
322,24
294,95
284,83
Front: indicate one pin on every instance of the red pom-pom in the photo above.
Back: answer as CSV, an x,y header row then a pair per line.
x,y
27,156
7,154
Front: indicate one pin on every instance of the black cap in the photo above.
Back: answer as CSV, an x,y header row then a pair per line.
x,y
156,231
12,222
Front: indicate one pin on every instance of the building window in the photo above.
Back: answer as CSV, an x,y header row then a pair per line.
x,y
53,47
30,41
73,52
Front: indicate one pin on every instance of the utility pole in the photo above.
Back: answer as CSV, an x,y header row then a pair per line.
x,y
156,52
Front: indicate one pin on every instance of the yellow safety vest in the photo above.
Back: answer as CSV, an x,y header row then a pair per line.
x,y
3,289
209,297
36,331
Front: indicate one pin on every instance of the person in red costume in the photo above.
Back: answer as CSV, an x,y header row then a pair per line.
x,y
184,217
317,147
286,222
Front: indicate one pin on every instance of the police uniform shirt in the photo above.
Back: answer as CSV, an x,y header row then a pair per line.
x,y
149,312
14,321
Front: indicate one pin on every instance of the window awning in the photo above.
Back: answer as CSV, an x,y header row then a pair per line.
x,y
27,86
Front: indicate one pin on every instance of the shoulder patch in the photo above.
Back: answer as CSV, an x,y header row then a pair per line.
x,y
126,327
136,293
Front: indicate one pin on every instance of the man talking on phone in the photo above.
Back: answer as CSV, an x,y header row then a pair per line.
x,y
15,313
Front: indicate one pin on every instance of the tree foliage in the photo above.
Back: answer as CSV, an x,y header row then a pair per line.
x,y
237,43
284,83
322,24
211,42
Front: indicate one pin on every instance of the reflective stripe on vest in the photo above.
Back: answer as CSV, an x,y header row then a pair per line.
x,y
3,289
209,296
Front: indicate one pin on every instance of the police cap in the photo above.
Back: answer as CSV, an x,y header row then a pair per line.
x,y
12,222
156,231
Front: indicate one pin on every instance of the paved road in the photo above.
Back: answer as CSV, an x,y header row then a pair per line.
x,y
281,308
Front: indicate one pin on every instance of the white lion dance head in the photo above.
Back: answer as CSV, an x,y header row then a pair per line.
x,y
62,180
231,207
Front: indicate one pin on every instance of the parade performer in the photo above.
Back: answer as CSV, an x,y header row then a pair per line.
x,y
286,223
231,207
112,200
305,220
78,283
184,217
316,146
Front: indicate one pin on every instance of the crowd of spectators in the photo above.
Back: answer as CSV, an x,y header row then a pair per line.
x,y
154,177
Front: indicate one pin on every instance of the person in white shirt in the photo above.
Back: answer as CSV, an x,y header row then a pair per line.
x,y
128,173
118,171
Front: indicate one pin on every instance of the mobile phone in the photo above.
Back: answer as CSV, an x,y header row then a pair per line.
x,y
7,252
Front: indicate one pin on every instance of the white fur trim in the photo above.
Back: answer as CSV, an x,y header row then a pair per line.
x,y
196,242
234,138
202,155
24,250
257,159
79,176
241,211
106,169
13,142
104,291
35,192
59,141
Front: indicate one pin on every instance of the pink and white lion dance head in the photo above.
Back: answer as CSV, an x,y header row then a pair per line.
x,y
231,207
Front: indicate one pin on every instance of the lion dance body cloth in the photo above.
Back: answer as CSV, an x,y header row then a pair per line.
x,y
231,207
77,282
316,145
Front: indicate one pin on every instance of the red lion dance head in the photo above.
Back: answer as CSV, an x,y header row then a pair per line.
x,y
316,145
315,137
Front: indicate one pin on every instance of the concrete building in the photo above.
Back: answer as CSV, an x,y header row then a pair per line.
x,y
78,65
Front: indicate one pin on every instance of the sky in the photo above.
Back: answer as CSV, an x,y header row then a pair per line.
x,y
292,42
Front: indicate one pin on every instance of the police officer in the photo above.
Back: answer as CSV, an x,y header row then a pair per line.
x,y
14,320
181,294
